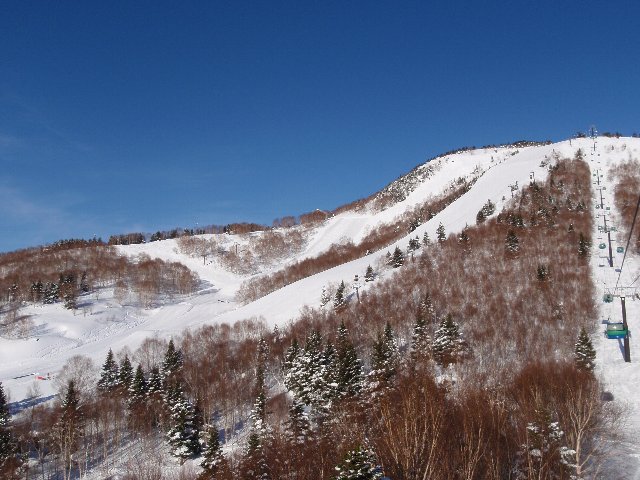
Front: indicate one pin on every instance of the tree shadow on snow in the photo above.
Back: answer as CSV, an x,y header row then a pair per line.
x,y
17,407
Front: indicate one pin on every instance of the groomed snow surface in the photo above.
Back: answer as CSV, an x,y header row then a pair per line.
x,y
101,322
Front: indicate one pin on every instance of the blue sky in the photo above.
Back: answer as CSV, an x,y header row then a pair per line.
x,y
138,116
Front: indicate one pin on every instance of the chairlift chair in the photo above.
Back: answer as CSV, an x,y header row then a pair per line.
x,y
616,330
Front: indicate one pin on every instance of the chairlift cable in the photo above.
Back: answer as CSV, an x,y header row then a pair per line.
x,y
633,224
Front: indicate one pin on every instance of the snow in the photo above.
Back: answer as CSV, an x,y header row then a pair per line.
x,y
101,323
621,379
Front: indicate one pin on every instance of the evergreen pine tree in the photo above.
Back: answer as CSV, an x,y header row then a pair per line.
x,y
290,355
182,435
138,389
109,380
426,240
50,294
154,384
359,464
420,339
255,464
583,246
544,455
585,354
213,461
340,301
542,273
369,276
440,234
172,360
329,374
414,244
324,297
298,428
7,443
70,302
311,376
125,373
385,358
397,259
448,345
487,210
512,244
463,239
68,429
348,368
426,309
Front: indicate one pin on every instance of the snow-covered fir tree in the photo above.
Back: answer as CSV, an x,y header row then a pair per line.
x,y
330,374
298,428
348,367
385,359
137,392
213,460
426,241
254,461
414,223
585,354
172,360
340,300
69,427
414,244
448,345
426,309
51,292
420,339
7,442
125,373
440,233
512,243
359,464
154,383
464,241
583,246
307,378
369,275
397,259
290,355
109,380
485,212
544,455
542,273
324,297
182,434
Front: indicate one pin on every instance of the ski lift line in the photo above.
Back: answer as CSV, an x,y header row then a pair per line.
x,y
633,224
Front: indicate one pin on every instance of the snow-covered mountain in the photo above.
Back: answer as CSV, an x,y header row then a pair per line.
x,y
104,320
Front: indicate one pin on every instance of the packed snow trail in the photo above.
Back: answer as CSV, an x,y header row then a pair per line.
x,y
621,380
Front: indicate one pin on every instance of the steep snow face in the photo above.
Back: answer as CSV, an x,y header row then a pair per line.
x,y
102,323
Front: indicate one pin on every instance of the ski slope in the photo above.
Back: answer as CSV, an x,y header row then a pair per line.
x,y
101,322
620,379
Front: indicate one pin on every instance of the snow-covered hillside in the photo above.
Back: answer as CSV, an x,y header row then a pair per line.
x,y
101,322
